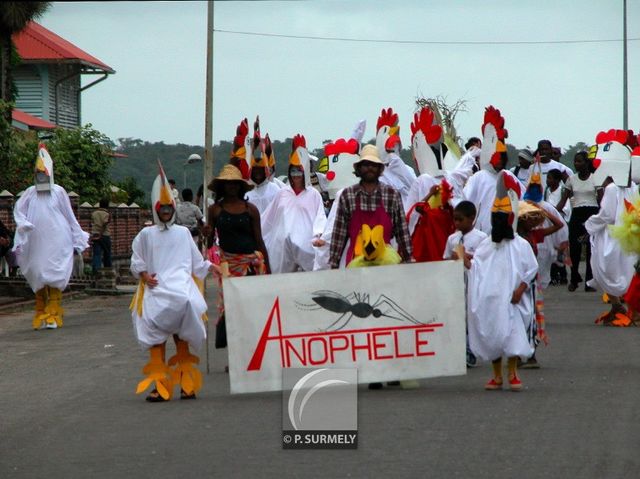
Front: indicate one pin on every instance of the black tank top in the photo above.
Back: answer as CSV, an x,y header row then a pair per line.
x,y
235,233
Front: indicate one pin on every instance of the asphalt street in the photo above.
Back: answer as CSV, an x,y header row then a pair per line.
x,y
68,410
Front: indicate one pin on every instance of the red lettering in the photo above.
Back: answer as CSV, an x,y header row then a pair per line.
x,y
377,345
420,342
333,348
397,347
355,347
310,350
301,355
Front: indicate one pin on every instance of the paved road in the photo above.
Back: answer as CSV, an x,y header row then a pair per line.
x,y
68,410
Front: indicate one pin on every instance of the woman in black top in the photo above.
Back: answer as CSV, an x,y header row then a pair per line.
x,y
236,224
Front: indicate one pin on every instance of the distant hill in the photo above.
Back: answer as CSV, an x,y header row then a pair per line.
x,y
141,165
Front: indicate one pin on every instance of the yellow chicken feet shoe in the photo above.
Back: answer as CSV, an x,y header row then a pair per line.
x,y
185,372
54,309
159,373
40,315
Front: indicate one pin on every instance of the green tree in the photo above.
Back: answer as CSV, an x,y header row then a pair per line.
x,y
134,192
81,161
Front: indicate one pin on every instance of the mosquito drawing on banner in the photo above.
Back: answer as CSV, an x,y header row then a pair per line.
x,y
355,304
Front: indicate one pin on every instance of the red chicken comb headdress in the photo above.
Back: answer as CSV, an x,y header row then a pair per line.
x,y
351,146
387,118
492,115
424,121
619,136
239,149
241,134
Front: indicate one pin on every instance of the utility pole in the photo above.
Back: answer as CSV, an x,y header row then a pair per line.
x,y
208,133
625,86
208,110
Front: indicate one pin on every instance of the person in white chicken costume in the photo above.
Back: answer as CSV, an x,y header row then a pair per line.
x,y
338,173
396,172
501,286
295,217
261,176
434,184
47,235
481,187
168,302
612,267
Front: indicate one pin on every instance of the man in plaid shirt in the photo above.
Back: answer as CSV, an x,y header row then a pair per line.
x,y
370,202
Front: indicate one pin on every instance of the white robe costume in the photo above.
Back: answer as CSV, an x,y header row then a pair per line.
x,y
496,327
612,268
262,195
289,226
548,249
481,191
47,233
175,305
399,176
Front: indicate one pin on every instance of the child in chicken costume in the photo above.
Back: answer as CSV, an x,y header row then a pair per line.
x,y
500,301
612,267
396,172
47,235
430,214
371,249
481,187
295,217
168,301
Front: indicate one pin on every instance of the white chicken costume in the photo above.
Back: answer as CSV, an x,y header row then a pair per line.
x,y
262,195
499,266
481,187
612,267
47,234
337,167
175,306
396,172
292,221
429,150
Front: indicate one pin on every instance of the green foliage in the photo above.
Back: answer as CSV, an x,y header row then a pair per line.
x,y
80,156
133,193
81,161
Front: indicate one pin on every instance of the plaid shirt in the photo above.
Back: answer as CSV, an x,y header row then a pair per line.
x,y
392,203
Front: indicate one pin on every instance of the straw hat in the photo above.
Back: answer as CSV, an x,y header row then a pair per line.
x,y
230,173
528,211
369,153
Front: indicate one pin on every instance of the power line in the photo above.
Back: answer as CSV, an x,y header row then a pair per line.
x,y
420,42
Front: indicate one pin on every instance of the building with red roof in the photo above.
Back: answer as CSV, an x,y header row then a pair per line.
x,y
48,79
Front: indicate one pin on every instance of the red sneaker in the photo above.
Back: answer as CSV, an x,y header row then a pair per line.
x,y
493,385
515,384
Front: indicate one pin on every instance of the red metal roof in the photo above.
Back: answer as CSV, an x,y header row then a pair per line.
x,y
31,121
37,43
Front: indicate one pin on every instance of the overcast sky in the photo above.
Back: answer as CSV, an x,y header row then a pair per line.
x,y
565,92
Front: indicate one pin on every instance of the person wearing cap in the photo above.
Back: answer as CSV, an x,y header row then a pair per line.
x,y
525,158
236,224
368,202
545,155
168,302
295,218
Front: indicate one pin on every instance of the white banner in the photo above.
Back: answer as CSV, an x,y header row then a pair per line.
x,y
390,322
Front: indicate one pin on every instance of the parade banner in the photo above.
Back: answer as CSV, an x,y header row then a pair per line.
x,y
390,322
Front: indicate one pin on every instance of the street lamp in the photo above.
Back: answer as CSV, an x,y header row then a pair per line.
x,y
193,158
